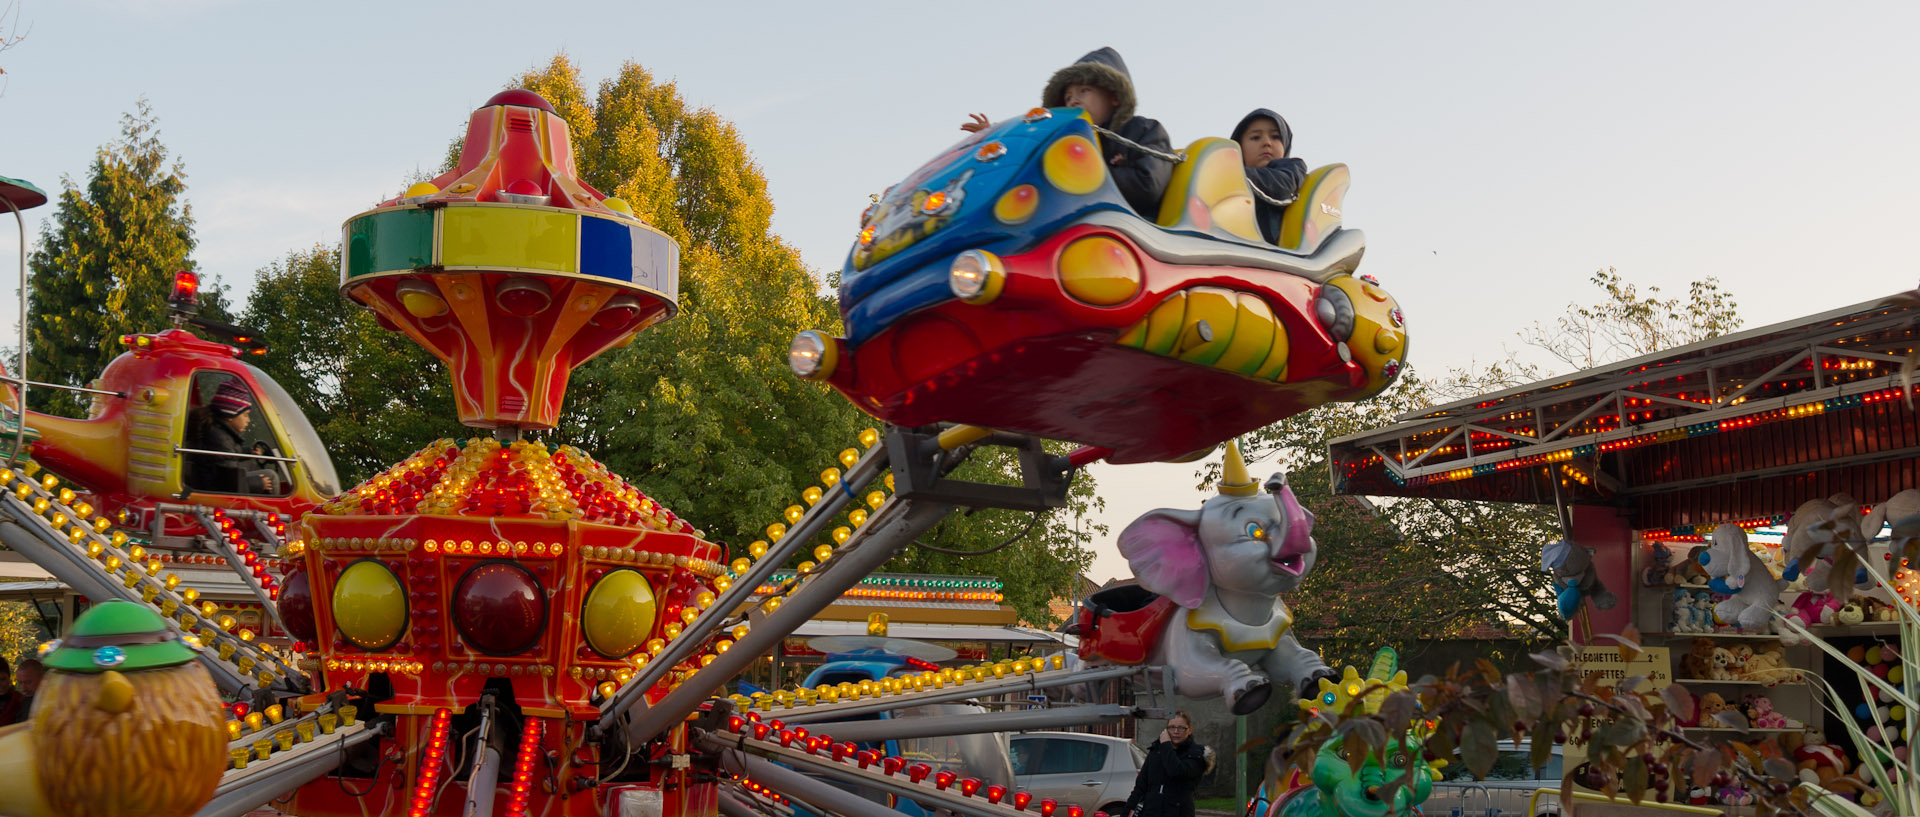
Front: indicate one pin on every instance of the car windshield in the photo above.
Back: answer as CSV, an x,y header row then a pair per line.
x,y
301,437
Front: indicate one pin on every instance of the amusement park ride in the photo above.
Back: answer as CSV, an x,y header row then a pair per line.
x,y
499,626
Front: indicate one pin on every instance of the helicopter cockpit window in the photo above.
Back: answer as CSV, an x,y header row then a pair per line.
x,y
229,449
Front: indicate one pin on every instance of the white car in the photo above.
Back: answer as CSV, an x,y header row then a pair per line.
x,y
1094,772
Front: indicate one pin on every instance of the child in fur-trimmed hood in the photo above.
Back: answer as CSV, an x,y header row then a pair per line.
x,y
1099,84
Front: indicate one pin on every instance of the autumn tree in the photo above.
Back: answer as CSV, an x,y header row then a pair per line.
x,y
701,411
105,261
1408,572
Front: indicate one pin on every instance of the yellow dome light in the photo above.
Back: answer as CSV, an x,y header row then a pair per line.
x,y
370,605
1073,165
1017,205
619,614
1099,270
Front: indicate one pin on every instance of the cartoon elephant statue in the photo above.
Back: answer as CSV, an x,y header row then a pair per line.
x,y
1574,579
1216,575
1731,562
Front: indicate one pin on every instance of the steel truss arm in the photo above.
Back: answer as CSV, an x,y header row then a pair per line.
x,y
973,724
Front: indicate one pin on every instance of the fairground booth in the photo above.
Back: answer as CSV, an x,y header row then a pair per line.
x,y
1648,458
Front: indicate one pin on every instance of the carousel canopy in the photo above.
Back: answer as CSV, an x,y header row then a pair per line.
x,y
1743,428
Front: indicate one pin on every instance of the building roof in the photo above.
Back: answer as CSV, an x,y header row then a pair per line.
x,y
1796,410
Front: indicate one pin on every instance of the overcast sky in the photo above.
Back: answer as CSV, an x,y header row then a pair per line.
x,y
1501,152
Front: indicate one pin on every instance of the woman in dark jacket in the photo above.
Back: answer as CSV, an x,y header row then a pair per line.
x,y
1266,148
1174,766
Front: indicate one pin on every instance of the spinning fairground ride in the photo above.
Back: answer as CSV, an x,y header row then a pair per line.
x,y
501,625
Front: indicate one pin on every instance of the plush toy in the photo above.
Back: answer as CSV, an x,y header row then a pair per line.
x,y
1698,662
1903,511
1819,761
1722,665
1699,796
1742,574
1687,572
1761,715
1814,608
1574,578
1741,655
1769,666
1851,613
1657,564
1731,796
1712,704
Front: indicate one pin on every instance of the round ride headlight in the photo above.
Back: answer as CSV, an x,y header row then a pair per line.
x,y
812,355
976,277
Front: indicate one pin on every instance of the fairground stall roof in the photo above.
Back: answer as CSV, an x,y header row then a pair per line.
x,y
1743,428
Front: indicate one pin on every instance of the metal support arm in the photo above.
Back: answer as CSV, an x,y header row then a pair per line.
x,y
972,724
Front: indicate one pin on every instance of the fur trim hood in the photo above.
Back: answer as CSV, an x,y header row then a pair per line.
x,y
1101,69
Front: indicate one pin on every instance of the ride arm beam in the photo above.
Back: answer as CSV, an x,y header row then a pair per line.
x,y
973,723
893,526
794,765
217,543
1032,682
714,618
243,790
813,792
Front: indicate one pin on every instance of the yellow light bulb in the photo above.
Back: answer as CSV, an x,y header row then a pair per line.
x,y
875,498
794,512
830,477
849,457
704,599
672,629
759,548
722,583
804,568
842,534
739,631
775,531
822,552
741,565
811,494
868,437
857,516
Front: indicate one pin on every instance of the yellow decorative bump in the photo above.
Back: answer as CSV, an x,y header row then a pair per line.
x,y
831,477
849,457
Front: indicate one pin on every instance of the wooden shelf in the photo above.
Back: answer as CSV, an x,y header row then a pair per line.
x,y
1742,682
1731,729
1678,636
1863,628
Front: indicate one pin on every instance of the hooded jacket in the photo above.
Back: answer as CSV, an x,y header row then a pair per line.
x,y
1141,178
1279,180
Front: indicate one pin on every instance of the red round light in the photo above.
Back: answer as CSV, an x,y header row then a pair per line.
x,y
522,297
969,786
995,792
1047,806
944,779
892,765
521,97
296,606
500,608
1021,799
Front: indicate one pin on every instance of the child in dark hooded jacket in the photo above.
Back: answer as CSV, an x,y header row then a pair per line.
x,y
1100,84
1266,143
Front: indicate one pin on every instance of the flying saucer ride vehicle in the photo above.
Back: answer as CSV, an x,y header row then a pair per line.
x,y
1006,284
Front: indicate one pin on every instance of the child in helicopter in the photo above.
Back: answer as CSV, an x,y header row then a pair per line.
x,y
1099,84
1265,144
220,426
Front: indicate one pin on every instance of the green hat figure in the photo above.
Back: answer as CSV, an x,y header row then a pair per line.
x,y
120,680
117,635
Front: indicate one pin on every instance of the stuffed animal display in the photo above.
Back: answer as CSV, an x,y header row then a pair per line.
x,y
1880,714
1752,588
1692,612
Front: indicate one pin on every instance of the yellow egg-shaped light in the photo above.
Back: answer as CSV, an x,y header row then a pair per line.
x,y
1099,270
618,205
830,477
741,565
1017,205
739,631
849,457
671,629
811,494
869,436
422,189
875,499
369,605
842,534
618,613
794,512
1073,165
757,549
775,531
822,553
857,516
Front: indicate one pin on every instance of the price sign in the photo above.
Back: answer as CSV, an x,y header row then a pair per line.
x,y
1653,664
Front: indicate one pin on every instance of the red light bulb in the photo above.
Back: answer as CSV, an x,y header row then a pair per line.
x,y
892,765
1047,805
1021,799
995,792
969,786
944,779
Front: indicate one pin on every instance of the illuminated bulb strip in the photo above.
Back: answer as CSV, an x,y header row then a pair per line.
x,y
776,733
1695,430
429,779
933,678
522,786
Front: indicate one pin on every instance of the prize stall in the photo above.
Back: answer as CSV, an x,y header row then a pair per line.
x,y
1701,484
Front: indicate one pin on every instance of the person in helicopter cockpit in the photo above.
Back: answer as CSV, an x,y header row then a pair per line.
x,y
221,425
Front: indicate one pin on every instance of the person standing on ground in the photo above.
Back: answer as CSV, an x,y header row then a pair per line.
x,y
1174,766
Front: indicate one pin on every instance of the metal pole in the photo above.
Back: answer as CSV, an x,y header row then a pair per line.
x,y
783,779
485,778
970,724
1239,760
713,618
982,689
895,524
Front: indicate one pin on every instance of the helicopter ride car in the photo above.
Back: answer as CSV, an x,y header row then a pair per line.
x,y
1007,284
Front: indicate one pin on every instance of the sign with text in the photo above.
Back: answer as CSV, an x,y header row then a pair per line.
x,y
1653,664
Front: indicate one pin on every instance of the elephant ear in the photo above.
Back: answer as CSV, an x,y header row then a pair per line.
x,y
1739,555
1163,548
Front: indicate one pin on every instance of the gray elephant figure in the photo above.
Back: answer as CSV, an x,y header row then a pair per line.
x,y
1736,570
1225,566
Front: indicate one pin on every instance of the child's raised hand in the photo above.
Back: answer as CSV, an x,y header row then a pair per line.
x,y
976,123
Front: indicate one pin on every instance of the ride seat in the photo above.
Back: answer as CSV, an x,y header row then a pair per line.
x,y
1209,194
1315,212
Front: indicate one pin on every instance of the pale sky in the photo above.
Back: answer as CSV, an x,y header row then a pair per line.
x,y
1501,152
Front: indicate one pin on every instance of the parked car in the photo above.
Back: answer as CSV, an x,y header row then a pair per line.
x,y
1094,772
1506,792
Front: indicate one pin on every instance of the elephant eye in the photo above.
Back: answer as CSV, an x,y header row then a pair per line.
x,y
1255,531
1398,759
